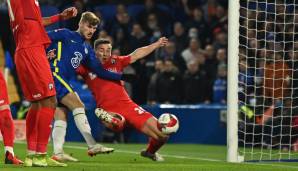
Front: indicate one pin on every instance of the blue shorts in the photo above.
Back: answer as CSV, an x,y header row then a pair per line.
x,y
62,86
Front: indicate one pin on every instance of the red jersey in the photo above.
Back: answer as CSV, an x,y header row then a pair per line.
x,y
103,90
26,23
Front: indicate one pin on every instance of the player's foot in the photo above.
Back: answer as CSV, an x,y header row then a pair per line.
x,y
43,160
39,160
155,157
99,149
54,163
63,157
28,161
11,159
103,115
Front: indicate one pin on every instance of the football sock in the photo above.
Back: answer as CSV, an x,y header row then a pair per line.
x,y
9,149
83,126
7,127
31,130
45,118
59,132
154,145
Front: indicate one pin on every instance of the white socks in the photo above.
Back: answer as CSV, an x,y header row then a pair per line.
x,y
9,149
82,124
58,135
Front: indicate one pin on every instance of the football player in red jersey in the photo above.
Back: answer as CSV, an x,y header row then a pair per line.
x,y
35,75
6,125
112,97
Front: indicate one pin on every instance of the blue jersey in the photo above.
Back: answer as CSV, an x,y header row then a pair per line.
x,y
71,51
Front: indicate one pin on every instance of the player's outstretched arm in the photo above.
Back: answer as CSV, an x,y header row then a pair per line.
x,y
65,15
146,50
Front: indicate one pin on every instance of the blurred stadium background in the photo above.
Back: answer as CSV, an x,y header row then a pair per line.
x,y
187,78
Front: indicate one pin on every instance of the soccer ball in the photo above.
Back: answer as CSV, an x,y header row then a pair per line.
x,y
168,123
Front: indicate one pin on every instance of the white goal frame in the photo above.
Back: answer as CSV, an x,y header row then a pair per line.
x,y
232,103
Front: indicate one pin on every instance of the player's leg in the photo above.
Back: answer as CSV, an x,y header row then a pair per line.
x,y
156,141
38,87
7,131
74,103
6,125
58,135
142,121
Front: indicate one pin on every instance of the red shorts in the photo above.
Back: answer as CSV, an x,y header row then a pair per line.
x,y
34,73
3,91
134,115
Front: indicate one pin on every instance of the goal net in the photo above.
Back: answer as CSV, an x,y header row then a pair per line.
x,y
267,80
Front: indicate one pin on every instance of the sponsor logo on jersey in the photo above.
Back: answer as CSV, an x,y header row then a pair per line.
x,y
75,61
36,95
1,101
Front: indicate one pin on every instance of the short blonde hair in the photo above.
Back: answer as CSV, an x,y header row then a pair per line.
x,y
90,18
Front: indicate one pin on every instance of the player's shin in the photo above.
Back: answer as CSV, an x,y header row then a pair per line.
x,y
45,118
155,144
31,131
82,124
7,129
58,135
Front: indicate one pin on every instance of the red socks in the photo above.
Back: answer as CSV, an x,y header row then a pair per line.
x,y
38,128
7,127
154,145
44,126
31,129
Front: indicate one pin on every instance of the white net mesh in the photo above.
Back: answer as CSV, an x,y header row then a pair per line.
x,y
268,80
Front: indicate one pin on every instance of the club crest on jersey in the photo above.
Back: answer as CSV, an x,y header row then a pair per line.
x,y
51,86
113,61
86,50
75,61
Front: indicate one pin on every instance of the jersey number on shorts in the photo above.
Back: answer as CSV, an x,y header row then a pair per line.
x,y
140,110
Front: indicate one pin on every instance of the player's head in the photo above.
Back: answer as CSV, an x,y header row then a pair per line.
x,y
103,49
88,24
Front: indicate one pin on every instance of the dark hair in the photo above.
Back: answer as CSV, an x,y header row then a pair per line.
x,y
101,41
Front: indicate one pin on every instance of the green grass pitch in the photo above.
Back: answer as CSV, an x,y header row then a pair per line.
x,y
179,157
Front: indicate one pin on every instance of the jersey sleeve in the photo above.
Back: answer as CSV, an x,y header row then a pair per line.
x,y
59,34
95,66
124,60
82,71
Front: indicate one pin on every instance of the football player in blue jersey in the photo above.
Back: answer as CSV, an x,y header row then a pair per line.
x,y
69,50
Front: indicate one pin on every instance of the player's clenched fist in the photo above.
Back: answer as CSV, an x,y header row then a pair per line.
x,y
69,13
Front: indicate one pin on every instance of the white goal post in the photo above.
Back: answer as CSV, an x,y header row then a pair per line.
x,y
262,115
232,102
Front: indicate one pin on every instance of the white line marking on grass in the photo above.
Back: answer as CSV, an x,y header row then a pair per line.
x,y
165,155
191,158
181,157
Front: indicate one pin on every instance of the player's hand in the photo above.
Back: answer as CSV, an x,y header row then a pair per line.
x,y
163,41
129,77
68,13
